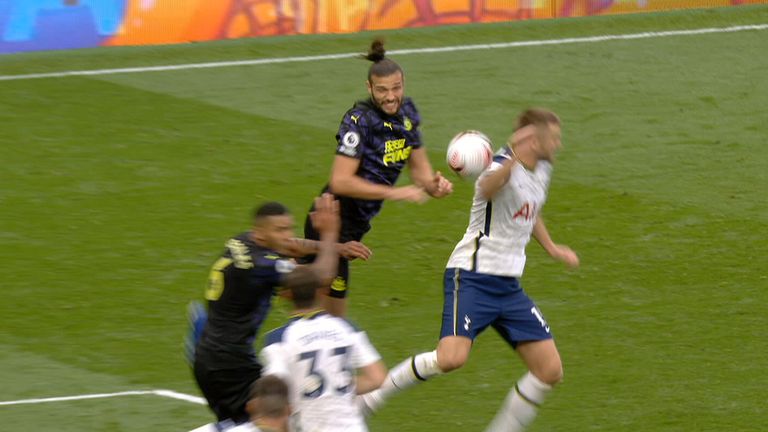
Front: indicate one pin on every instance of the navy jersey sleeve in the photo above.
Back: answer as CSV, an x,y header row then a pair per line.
x,y
269,270
353,134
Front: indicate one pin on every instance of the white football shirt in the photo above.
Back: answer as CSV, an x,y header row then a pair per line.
x,y
499,230
318,355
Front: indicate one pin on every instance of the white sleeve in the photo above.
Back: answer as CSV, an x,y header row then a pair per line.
x,y
494,166
364,353
274,361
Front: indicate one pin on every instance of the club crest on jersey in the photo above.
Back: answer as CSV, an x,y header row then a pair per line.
x,y
407,123
285,265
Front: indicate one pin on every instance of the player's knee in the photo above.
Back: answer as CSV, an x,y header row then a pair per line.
x,y
451,360
550,373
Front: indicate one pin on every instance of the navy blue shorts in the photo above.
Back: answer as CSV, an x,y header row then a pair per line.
x,y
473,301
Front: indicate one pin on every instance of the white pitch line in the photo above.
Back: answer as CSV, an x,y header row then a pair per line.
x,y
181,396
277,60
164,393
77,397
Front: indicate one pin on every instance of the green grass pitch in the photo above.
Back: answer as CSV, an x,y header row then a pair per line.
x,y
118,191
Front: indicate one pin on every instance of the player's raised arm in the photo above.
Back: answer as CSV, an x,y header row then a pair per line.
x,y
327,222
491,182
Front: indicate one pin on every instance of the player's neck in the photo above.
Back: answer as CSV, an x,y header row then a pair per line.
x,y
524,156
307,311
269,426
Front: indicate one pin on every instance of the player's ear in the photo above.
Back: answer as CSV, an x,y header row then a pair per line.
x,y
369,86
252,407
258,233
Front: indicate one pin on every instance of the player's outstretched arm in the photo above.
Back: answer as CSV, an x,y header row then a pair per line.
x,y
559,252
422,175
300,247
345,181
491,182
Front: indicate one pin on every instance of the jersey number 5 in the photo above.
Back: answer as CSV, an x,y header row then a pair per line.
x,y
216,279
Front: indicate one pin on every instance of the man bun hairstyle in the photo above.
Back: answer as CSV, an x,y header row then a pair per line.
x,y
382,65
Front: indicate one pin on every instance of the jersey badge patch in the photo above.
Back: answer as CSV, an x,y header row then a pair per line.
x,y
285,265
349,142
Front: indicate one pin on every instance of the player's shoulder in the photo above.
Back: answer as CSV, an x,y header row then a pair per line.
x,y
343,323
502,155
242,239
544,166
276,335
245,427
362,113
410,115
240,250
409,107
544,170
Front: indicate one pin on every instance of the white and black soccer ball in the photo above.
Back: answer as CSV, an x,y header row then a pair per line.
x,y
469,153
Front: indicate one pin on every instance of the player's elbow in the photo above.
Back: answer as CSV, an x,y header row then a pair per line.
x,y
340,184
377,374
371,377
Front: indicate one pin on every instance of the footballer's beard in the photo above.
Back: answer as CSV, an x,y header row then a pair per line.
x,y
390,106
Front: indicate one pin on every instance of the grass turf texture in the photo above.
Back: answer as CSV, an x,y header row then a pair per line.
x,y
119,191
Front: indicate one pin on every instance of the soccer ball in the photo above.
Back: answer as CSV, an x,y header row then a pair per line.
x,y
469,153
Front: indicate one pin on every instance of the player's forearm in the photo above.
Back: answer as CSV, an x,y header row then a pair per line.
x,y
358,187
327,261
421,172
370,377
541,235
299,247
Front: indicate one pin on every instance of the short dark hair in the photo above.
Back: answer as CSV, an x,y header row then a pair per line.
x,y
271,395
536,116
271,208
303,283
382,65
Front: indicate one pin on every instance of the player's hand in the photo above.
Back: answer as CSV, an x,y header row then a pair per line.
x,y
441,186
564,254
410,193
325,218
353,250
521,134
